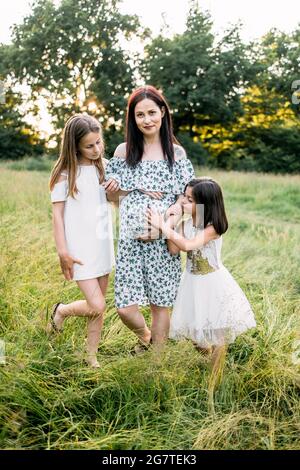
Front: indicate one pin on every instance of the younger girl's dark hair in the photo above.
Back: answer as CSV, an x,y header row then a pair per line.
x,y
135,138
206,191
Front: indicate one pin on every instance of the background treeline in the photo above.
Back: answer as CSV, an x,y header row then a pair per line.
x,y
235,105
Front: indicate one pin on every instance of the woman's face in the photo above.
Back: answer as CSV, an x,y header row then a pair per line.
x,y
148,117
189,206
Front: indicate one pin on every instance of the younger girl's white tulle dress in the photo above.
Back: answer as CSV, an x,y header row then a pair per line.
x,y
210,308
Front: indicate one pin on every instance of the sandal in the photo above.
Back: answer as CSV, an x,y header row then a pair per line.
x,y
141,347
51,327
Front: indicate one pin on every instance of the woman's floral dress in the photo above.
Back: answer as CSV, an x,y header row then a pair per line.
x,y
145,271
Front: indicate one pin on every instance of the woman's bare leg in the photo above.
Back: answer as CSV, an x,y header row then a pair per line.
x,y
134,320
160,324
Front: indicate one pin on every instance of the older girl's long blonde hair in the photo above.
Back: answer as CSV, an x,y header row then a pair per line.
x,y
75,129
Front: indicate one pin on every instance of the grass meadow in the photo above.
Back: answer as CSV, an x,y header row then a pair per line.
x,y
160,400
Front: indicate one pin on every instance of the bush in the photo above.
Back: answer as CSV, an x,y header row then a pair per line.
x,y
194,150
112,138
272,150
31,164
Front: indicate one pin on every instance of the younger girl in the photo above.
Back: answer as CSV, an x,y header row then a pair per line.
x,y
82,225
210,308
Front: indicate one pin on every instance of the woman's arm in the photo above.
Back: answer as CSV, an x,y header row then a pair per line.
x,y
186,175
112,186
66,261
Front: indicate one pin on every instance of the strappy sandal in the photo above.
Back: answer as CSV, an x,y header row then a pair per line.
x,y
140,348
52,328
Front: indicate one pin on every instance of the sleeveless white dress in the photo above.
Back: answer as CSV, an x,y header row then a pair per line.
x,y
210,308
88,224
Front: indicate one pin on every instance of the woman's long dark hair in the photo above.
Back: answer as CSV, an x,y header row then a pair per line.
x,y
206,191
135,138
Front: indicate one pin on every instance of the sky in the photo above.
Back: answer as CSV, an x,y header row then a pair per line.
x,y
258,16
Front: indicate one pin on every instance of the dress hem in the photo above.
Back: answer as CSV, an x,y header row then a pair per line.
x,y
93,277
143,304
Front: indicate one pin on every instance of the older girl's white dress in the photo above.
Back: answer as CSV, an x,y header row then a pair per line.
x,y
210,308
88,224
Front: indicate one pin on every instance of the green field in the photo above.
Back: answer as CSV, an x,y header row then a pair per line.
x,y
160,400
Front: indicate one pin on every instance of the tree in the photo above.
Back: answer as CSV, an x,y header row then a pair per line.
x,y
72,55
202,80
265,138
280,54
17,138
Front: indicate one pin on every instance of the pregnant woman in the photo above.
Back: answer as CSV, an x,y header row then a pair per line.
x,y
152,171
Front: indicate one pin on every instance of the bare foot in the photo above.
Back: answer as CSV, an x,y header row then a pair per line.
x,y
146,339
143,344
92,361
204,351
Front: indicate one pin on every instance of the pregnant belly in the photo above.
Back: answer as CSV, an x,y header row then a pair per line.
x,y
133,222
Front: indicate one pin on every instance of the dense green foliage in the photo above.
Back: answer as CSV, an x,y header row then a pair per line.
x,y
234,105
71,55
17,138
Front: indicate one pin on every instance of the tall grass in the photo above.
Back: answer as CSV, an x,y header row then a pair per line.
x,y
161,400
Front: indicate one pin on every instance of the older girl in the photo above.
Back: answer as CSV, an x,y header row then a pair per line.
x,y
82,225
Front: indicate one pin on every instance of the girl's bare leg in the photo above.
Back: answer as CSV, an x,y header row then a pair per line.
x,y
95,324
205,351
217,363
134,320
217,367
92,308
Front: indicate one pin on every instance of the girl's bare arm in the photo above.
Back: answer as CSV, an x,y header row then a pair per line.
x,y
184,244
66,261
209,233
172,247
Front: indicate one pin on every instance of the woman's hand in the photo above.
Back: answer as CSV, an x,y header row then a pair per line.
x,y
111,185
153,194
67,265
155,219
